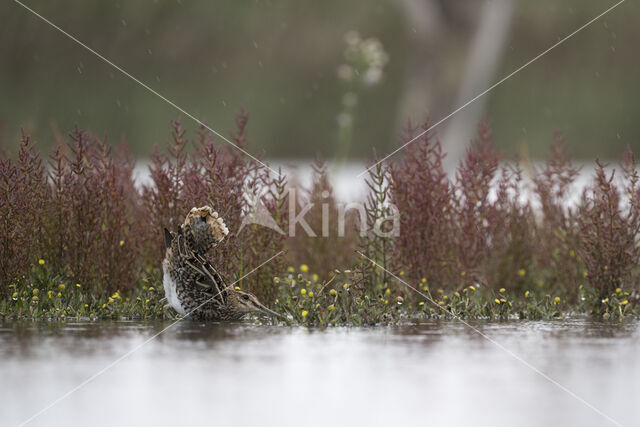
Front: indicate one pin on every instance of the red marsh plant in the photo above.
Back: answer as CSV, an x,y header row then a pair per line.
x,y
557,234
423,194
321,239
23,198
477,217
513,245
74,218
609,226
90,214
88,223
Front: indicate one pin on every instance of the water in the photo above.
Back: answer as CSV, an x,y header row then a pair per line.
x,y
434,373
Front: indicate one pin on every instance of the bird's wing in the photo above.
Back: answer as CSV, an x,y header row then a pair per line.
x,y
204,275
168,238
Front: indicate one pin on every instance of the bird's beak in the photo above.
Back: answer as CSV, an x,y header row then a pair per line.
x,y
271,313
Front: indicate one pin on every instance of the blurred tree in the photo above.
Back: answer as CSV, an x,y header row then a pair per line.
x,y
435,84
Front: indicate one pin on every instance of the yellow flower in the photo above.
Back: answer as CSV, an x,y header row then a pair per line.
x,y
526,294
78,285
502,290
625,302
41,261
331,307
402,273
121,242
310,294
445,297
503,300
457,294
386,301
86,306
110,300
522,272
304,313
276,280
497,301
424,280
556,300
333,292
36,292
104,305
291,269
304,268
618,290
303,291
373,263
425,288
399,299
14,295
606,299
61,287
387,291
34,298
345,286
421,303
463,273
59,295
49,294
572,253
473,288
146,301
315,277
440,302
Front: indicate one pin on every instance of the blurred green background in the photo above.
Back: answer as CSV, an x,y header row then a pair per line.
x,y
278,60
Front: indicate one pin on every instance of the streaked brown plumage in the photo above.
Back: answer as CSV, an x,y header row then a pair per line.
x,y
192,285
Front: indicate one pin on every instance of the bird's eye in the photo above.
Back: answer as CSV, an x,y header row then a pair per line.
x,y
203,218
245,297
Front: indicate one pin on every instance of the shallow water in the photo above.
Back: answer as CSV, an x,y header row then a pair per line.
x,y
242,374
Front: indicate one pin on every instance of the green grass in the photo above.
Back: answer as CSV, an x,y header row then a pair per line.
x,y
306,299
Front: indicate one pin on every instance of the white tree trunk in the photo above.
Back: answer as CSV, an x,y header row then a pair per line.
x,y
483,58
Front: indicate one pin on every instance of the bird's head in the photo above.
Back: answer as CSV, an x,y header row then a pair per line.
x,y
203,228
243,302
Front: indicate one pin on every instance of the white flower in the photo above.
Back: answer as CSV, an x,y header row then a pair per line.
x,y
372,76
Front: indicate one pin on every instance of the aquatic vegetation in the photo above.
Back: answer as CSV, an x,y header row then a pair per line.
x,y
79,239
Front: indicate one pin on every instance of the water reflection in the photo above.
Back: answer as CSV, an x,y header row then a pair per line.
x,y
240,374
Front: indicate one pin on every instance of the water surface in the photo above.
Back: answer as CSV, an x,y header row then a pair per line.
x,y
434,373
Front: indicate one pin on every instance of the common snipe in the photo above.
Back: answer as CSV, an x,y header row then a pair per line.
x,y
191,284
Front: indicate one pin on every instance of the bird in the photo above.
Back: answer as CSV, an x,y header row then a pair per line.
x,y
192,285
